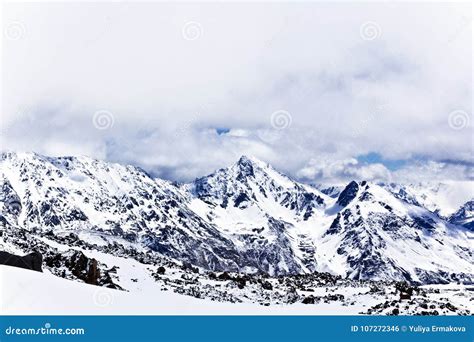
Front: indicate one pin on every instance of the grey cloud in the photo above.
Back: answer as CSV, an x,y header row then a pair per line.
x,y
346,96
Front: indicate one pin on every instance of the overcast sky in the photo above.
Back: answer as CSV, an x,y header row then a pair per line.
x,y
324,92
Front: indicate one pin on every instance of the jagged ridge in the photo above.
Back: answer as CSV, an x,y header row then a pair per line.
x,y
245,218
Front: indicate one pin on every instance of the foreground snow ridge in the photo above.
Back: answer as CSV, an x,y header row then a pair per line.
x,y
244,234
24,292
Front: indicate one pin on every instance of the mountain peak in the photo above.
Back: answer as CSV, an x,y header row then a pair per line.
x,y
348,194
246,167
245,160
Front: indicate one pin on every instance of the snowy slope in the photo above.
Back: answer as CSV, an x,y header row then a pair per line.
x,y
443,198
464,215
331,190
24,292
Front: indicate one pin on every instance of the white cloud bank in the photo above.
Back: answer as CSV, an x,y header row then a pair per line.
x,y
390,78
334,171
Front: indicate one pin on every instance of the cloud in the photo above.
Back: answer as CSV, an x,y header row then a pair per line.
x,y
434,171
170,96
342,171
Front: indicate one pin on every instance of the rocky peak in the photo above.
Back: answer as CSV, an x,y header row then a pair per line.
x,y
246,167
464,215
348,194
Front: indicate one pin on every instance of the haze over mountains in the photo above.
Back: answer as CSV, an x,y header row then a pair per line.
x,y
246,218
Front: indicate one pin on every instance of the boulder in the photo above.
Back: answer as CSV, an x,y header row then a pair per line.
x,y
32,261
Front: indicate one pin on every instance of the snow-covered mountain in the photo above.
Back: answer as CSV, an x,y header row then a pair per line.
x,y
246,218
331,190
104,203
379,236
464,215
272,218
443,198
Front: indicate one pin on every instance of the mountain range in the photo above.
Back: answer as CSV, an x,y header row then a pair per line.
x,y
246,218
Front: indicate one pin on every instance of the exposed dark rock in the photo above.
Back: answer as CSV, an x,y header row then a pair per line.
x,y
81,267
224,276
348,194
32,261
241,199
309,300
266,285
